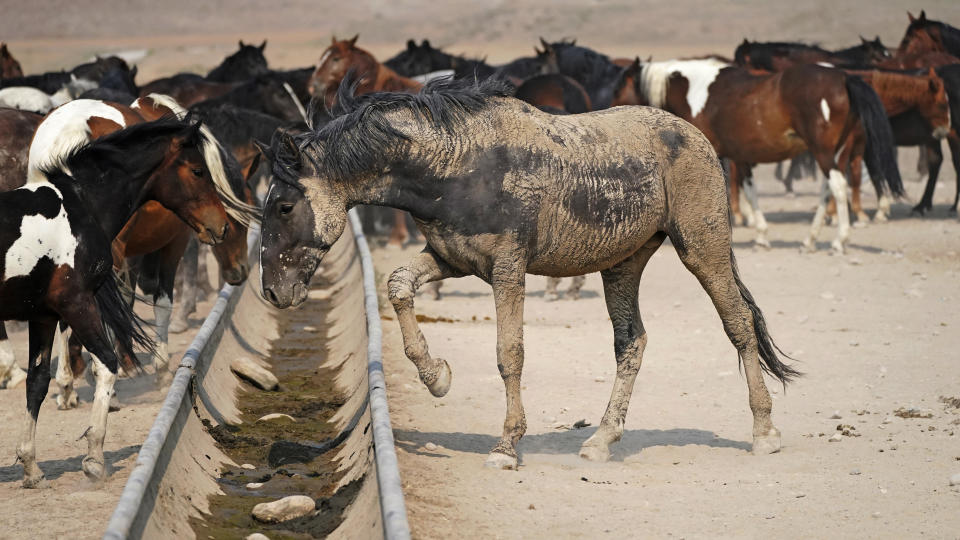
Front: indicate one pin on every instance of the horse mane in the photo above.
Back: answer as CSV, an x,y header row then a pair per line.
x,y
363,133
214,156
762,52
950,35
588,67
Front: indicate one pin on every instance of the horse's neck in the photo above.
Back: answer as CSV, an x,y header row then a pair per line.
x,y
388,80
898,93
112,197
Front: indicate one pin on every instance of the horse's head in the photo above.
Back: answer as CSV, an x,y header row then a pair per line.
x,y
419,59
272,98
337,60
304,214
936,106
121,80
922,35
232,253
874,50
247,62
549,63
626,87
9,67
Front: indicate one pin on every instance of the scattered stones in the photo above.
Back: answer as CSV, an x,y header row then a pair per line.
x,y
888,420
955,480
835,415
836,437
257,536
248,467
309,328
531,507
912,413
246,368
875,514
430,447
847,430
253,486
276,416
284,509
855,472
582,423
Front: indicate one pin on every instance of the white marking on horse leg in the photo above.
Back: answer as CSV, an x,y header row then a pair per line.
x,y
9,370
825,109
67,399
838,186
162,309
27,452
92,464
750,192
810,243
883,209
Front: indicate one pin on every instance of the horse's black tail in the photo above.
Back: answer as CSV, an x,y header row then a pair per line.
x,y
121,323
769,360
881,151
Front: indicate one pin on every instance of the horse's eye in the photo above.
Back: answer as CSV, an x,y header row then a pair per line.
x,y
197,172
286,208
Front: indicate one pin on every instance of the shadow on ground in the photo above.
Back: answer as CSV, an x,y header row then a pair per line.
x,y
55,468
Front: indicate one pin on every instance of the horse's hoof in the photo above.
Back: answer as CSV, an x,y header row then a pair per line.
x,y
67,402
882,218
738,220
859,224
837,247
179,326
809,246
573,295
497,460
599,454
114,404
790,195
553,297
441,386
35,482
93,469
762,242
767,444
17,377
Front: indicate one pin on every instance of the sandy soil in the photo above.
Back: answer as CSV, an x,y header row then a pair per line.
x,y
873,331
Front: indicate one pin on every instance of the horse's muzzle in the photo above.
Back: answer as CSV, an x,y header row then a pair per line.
x,y
940,132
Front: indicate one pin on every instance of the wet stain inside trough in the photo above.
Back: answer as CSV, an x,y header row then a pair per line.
x,y
289,457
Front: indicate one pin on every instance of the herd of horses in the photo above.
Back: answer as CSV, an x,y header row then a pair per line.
x,y
541,165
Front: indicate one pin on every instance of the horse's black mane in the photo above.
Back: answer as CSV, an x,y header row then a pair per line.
x,y
360,131
591,69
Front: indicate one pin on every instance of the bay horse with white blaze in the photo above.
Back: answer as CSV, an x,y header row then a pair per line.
x,y
55,259
501,189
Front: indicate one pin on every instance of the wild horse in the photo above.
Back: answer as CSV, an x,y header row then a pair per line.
x,y
523,192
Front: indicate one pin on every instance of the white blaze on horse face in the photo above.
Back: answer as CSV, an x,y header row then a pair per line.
x,y
825,64
41,237
63,130
699,73
825,109
326,54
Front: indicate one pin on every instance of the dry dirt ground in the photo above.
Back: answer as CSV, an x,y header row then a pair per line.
x,y
874,331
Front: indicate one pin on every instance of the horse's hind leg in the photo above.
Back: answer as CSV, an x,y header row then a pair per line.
x,y
551,293
67,399
620,289
401,289
760,222
576,283
955,157
711,260
9,370
934,155
38,382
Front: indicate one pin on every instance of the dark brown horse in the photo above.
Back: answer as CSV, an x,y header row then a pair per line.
x,y
187,88
923,35
9,67
777,56
343,57
554,92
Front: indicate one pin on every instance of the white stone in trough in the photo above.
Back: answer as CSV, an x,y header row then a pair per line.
x,y
276,416
246,368
284,509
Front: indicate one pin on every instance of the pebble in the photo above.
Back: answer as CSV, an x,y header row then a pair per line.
x,y
855,472
835,415
248,467
252,486
246,368
309,328
836,437
430,446
599,379
827,295
275,416
955,480
257,536
284,509
888,420
875,514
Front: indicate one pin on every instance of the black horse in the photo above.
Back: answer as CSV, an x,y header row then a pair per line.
x,y
246,63
777,55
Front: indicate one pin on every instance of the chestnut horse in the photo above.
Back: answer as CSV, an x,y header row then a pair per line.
x,y
343,57
9,67
925,35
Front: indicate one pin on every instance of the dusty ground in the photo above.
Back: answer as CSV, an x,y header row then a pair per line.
x,y
874,331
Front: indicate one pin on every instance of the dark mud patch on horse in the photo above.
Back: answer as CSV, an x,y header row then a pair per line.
x,y
289,458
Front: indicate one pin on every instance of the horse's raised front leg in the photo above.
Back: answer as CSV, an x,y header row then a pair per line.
x,y
620,288
38,382
67,398
508,295
9,370
401,289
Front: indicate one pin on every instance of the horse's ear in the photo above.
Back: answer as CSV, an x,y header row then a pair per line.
x,y
426,44
240,43
934,87
864,40
635,66
745,41
253,166
264,149
546,46
263,45
333,39
911,16
411,45
923,15
353,41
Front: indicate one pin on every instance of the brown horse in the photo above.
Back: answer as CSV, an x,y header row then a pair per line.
x,y
777,56
762,118
9,67
187,88
923,35
343,57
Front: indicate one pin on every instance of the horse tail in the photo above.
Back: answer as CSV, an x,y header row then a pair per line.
x,y
881,150
120,321
769,360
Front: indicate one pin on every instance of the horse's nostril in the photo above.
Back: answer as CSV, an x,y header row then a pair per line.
x,y
271,296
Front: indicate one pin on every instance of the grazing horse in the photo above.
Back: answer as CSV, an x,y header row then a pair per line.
x,y
925,35
9,66
524,192
761,118
246,63
55,260
343,57
777,56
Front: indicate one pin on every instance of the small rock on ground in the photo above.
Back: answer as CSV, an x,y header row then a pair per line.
x,y
430,446
247,369
248,466
276,416
955,480
836,415
284,509
836,437
257,536
254,485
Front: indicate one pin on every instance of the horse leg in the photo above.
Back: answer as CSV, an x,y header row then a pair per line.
x,y
9,370
810,243
186,289
508,295
856,176
38,382
573,291
734,183
750,191
620,289
401,289
954,144
934,160
163,307
67,399
838,186
399,235
551,292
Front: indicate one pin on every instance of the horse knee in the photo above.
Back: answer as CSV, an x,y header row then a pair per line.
x,y
400,288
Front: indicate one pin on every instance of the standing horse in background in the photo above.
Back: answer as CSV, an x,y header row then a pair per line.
x,y
925,35
9,66
594,71
762,118
246,63
777,56
526,192
343,57
55,259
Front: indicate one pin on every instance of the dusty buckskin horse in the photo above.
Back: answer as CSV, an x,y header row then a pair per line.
x,y
9,66
56,260
777,56
342,58
762,118
502,189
